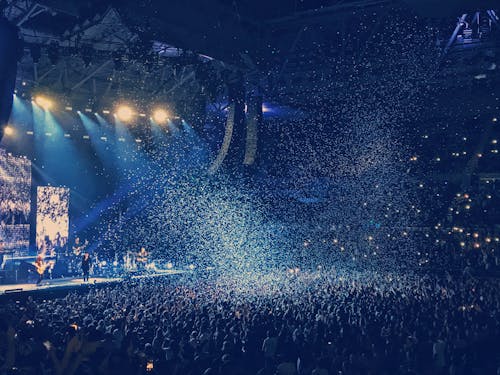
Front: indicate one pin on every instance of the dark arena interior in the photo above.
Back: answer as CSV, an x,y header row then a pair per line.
x,y
249,187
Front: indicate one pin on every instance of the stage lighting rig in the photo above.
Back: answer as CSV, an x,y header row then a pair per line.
x,y
118,59
8,131
160,116
124,113
53,53
44,102
86,52
36,53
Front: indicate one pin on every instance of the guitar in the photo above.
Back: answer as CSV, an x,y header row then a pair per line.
x,y
77,250
41,267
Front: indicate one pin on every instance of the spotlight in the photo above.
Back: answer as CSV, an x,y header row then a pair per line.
x,y
191,266
160,116
44,102
8,130
170,265
124,113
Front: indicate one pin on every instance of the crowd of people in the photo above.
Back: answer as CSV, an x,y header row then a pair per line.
x,y
307,323
377,204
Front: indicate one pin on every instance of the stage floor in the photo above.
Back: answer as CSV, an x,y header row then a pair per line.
x,y
77,282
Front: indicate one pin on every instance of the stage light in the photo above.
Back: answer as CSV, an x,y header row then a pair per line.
x,y
44,102
191,267
160,116
170,265
8,130
124,113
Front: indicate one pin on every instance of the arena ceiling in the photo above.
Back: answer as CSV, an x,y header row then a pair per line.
x,y
219,28
94,49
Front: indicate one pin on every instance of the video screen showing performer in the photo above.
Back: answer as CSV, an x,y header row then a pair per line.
x,y
52,221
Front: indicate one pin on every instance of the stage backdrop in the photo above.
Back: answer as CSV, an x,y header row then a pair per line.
x,y
15,203
52,220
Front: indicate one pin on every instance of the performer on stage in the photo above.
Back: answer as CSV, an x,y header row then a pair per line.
x,y
142,259
78,250
129,260
41,266
86,261
39,269
78,247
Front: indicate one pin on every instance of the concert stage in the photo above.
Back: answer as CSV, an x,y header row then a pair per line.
x,y
77,282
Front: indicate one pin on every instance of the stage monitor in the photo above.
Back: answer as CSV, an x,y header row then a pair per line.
x,y
15,203
52,219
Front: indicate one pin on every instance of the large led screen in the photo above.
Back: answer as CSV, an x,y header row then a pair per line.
x,y
15,203
52,219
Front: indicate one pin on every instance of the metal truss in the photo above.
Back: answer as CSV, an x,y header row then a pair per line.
x,y
472,28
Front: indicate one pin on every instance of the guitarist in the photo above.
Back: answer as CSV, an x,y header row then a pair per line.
x,y
78,248
41,266
78,251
